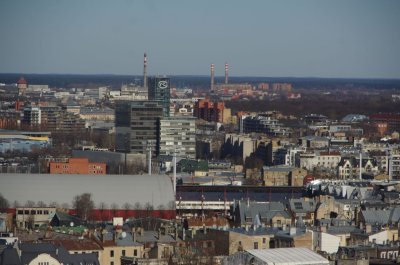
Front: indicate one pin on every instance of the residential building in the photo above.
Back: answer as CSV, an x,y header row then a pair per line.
x,y
32,116
349,167
268,214
178,136
283,176
77,166
212,111
262,123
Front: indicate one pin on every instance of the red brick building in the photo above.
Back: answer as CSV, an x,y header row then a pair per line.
x,y
209,111
77,166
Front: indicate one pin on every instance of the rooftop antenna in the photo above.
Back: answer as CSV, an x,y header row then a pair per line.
x,y
226,73
145,71
212,77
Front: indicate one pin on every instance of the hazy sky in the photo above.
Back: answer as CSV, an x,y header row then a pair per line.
x,y
341,38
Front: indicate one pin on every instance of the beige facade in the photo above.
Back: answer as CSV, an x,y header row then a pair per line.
x,y
283,176
228,242
44,259
111,255
32,217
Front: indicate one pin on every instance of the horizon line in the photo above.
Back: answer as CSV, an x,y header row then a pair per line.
x,y
217,76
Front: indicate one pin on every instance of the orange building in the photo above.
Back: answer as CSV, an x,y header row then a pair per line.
x,y
77,166
210,111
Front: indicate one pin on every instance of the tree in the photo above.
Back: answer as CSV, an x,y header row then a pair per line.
x,y
41,204
127,206
29,204
4,204
83,204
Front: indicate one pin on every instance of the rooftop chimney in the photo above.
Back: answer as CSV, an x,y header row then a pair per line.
x,y
226,73
212,77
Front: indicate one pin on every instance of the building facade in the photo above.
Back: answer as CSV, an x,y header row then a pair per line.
x,y
178,135
159,89
77,166
136,125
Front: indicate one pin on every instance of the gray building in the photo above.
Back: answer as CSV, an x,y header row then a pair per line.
x,y
178,134
32,116
159,89
136,123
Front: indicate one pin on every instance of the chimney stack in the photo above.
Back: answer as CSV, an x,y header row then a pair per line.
x,y
212,77
145,71
226,73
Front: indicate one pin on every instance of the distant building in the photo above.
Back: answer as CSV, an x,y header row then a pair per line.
x,y
32,116
136,123
33,217
212,111
178,135
262,123
159,89
283,176
391,119
77,166
22,85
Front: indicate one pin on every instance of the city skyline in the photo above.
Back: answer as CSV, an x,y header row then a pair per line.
x,y
341,39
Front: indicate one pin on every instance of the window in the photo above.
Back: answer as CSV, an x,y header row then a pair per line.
x,y
45,212
123,252
20,212
111,253
255,245
112,263
264,240
135,252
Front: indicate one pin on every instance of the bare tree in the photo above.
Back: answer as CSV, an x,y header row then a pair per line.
x,y
114,208
65,205
83,204
137,207
29,203
41,204
16,204
54,204
103,206
148,209
4,204
127,206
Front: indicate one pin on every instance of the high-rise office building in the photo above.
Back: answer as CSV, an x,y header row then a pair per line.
x,y
159,89
178,135
137,124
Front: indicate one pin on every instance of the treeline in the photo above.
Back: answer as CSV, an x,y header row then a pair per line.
x,y
328,106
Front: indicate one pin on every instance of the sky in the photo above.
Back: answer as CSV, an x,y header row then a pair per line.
x,y
282,38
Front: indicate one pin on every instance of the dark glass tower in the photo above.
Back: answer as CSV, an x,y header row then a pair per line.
x,y
159,89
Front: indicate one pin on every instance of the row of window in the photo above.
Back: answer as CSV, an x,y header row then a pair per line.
x,y
33,212
135,253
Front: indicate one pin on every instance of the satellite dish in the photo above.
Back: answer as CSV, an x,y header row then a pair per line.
x,y
123,234
71,224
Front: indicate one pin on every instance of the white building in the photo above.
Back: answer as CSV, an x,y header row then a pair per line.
x,y
178,135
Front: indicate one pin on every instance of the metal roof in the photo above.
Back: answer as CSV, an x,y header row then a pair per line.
x,y
62,188
287,256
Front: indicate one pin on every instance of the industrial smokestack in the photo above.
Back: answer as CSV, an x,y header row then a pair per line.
x,y
212,76
145,71
226,73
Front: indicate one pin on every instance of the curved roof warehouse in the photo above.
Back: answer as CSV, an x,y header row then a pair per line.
x,y
111,189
